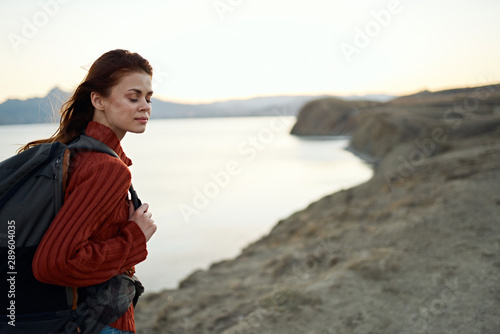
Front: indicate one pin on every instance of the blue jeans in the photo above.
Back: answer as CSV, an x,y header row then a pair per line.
x,y
112,330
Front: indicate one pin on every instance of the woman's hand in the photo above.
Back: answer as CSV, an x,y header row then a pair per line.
x,y
142,217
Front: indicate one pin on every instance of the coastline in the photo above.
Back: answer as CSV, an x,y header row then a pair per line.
x,y
415,249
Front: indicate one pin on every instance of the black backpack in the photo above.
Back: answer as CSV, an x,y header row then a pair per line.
x,y
32,186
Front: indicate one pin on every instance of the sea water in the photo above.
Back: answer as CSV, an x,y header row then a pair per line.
x,y
215,185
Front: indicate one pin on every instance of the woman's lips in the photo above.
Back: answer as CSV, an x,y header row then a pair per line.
x,y
143,120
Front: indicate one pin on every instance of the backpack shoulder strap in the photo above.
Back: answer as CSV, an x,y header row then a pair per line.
x,y
85,142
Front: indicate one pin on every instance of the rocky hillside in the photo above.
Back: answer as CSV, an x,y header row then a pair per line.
x,y
376,127
414,250
330,116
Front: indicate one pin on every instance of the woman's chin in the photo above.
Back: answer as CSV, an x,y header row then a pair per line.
x,y
138,129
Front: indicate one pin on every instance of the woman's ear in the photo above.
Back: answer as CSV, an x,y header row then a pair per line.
x,y
97,101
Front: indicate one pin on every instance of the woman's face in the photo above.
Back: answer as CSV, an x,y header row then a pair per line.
x,y
128,106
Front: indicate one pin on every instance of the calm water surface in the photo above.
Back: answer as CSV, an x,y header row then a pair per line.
x,y
215,185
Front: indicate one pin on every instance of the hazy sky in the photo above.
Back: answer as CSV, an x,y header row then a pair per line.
x,y
211,50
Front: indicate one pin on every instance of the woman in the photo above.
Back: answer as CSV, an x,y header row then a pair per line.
x,y
97,234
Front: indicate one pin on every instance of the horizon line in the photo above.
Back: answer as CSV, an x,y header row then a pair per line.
x,y
298,94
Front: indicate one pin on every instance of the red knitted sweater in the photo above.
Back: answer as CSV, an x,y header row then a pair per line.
x,y
91,239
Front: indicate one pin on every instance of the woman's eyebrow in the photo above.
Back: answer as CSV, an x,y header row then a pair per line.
x,y
138,91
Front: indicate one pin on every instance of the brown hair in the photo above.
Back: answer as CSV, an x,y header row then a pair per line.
x,y
104,73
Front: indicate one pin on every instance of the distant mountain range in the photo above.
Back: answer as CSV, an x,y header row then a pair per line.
x,y
45,110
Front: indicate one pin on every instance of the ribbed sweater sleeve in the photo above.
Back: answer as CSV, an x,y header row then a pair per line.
x,y
72,252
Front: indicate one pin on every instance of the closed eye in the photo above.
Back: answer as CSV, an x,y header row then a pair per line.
x,y
137,100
